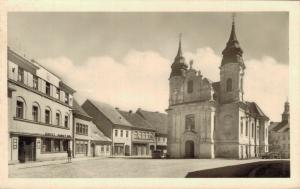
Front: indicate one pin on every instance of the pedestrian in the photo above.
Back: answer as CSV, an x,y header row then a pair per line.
x,y
69,155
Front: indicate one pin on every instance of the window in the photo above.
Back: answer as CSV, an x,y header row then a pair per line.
x,y
127,134
35,113
252,132
116,132
58,93
242,127
20,110
246,128
66,121
107,148
190,86
67,98
190,122
47,116
47,88
102,148
229,85
121,133
57,118
46,145
56,145
35,82
21,75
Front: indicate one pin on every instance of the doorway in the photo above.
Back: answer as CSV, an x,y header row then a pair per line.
x,y
189,149
27,149
127,150
93,150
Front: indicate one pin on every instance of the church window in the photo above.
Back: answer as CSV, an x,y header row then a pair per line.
x,y
190,86
190,122
229,85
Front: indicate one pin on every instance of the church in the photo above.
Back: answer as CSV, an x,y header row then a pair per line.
x,y
209,119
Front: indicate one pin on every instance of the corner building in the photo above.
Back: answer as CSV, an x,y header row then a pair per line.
x,y
212,119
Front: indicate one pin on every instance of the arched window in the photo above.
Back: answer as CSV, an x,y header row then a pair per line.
x,y
66,123
48,115
58,118
229,85
190,86
20,108
36,112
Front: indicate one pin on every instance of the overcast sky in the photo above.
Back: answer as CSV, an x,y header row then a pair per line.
x,y
124,58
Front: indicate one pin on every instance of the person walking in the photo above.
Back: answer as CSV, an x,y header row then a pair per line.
x,y
69,155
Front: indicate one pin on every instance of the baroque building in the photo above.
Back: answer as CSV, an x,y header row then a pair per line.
x,y
212,119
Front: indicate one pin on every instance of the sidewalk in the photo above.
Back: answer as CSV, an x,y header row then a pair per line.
x,y
49,162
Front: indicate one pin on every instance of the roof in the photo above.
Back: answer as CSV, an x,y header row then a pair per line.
x,y
158,120
97,135
273,125
136,120
110,113
281,127
77,110
255,110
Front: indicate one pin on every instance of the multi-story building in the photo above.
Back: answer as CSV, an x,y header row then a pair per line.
x,y
159,121
279,134
143,134
112,124
212,119
39,110
88,140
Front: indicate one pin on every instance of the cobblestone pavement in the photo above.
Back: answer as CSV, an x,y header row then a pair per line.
x,y
118,167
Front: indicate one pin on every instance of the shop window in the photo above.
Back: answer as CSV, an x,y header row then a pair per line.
x,y
65,145
47,88
190,122
46,145
107,148
56,145
102,148
35,82
20,109
190,87
35,113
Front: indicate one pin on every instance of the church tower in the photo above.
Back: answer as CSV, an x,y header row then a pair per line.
x,y
176,80
232,70
286,112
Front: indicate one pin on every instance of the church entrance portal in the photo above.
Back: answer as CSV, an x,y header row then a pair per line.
x,y
189,149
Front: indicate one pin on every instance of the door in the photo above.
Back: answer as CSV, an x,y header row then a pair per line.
x,y
26,149
93,150
189,149
127,150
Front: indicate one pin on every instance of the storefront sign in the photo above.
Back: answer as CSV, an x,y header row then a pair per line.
x,y
58,135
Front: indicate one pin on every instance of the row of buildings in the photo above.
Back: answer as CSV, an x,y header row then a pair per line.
x,y
45,120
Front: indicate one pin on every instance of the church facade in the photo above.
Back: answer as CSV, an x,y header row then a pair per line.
x,y
212,119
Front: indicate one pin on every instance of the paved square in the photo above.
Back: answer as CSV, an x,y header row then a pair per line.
x,y
122,168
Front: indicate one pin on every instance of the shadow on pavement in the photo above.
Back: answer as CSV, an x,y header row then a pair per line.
x,y
262,169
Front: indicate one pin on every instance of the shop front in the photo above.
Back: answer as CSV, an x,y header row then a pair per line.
x,y
81,148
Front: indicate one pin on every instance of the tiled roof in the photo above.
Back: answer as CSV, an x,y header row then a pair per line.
x,y
255,110
273,125
158,120
110,113
136,120
77,110
97,135
281,127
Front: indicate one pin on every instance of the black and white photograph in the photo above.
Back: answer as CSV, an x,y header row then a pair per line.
x,y
150,94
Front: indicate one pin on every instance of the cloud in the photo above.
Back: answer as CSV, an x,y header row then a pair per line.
x,y
140,79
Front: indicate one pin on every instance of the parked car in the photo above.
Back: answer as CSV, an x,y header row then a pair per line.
x,y
271,155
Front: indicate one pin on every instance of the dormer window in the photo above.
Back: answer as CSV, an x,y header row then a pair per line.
x,y
67,98
229,85
21,75
35,82
47,88
190,86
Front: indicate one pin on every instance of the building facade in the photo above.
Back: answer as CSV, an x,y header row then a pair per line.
x,y
39,111
212,119
279,133
158,121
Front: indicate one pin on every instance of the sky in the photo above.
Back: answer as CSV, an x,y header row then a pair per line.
x,y
124,59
